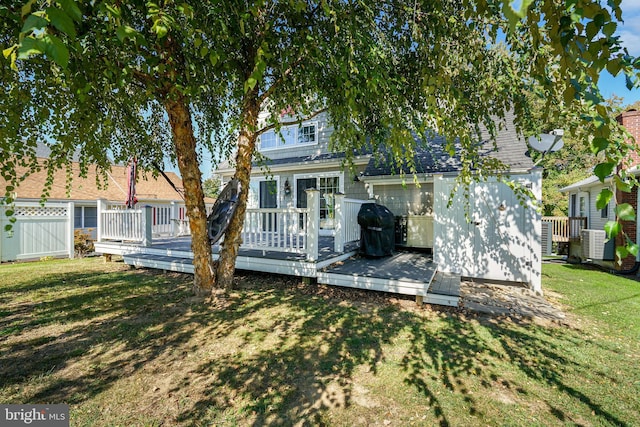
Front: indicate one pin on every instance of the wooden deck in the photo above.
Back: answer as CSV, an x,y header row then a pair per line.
x,y
405,272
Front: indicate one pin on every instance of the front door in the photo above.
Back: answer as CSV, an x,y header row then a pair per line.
x,y
302,185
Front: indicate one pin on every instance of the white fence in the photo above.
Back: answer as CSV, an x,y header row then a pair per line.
x,y
351,207
38,231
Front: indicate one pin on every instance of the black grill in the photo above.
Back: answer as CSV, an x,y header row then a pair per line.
x,y
377,230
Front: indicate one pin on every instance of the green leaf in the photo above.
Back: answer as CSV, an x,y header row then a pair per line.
x,y
125,32
614,67
26,9
626,212
621,185
72,9
213,58
609,28
592,30
603,198
250,84
603,170
9,212
633,248
599,144
8,227
34,22
8,51
56,50
61,21
30,46
612,228
628,82
621,252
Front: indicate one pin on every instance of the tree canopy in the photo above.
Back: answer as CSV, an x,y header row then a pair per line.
x,y
111,79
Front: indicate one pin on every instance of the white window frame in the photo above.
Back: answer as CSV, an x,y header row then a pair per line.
x,y
82,217
296,132
317,176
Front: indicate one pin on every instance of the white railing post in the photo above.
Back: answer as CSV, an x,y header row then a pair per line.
x,y
338,238
70,236
313,223
147,225
102,205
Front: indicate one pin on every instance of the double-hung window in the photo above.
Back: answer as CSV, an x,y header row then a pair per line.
x,y
289,136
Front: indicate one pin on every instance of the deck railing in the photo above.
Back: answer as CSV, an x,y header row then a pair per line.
x,y
565,229
281,230
125,224
293,230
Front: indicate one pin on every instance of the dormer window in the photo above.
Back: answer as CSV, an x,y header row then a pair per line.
x,y
290,136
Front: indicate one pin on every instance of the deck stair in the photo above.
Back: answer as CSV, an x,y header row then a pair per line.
x,y
444,289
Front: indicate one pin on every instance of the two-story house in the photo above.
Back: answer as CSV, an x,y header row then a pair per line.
x,y
488,234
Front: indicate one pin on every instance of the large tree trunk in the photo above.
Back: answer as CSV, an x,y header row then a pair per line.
x,y
246,147
185,145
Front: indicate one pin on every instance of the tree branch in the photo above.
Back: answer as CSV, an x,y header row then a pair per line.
x,y
291,123
277,82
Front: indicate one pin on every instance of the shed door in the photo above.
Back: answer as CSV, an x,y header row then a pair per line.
x,y
497,228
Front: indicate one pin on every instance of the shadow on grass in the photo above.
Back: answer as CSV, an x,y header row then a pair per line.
x,y
297,353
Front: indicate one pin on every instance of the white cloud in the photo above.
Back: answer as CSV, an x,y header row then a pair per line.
x,y
629,7
629,31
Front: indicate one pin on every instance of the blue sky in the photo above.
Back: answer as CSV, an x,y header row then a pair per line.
x,y
629,33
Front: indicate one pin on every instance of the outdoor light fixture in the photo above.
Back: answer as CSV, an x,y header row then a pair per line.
x,y
287,188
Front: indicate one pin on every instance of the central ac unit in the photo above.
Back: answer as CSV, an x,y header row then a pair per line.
x,y
593,244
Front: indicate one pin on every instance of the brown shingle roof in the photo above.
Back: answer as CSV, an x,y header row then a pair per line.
x,y
148,188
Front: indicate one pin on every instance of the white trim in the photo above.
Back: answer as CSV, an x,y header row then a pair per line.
x,y
404,287
305,165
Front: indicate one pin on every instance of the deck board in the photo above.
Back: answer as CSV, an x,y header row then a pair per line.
x,y
406,266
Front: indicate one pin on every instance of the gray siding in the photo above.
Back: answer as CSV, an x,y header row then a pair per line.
x,y
408,199
596,222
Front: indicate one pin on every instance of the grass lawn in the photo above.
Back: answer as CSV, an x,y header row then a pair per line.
x,y
133,347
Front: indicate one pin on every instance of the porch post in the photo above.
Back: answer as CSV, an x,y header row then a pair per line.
x,y
70,230
101,206
313,223
338,223
147,224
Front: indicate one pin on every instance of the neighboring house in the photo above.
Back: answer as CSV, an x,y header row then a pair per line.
x,y
592,243
47,230
500,242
